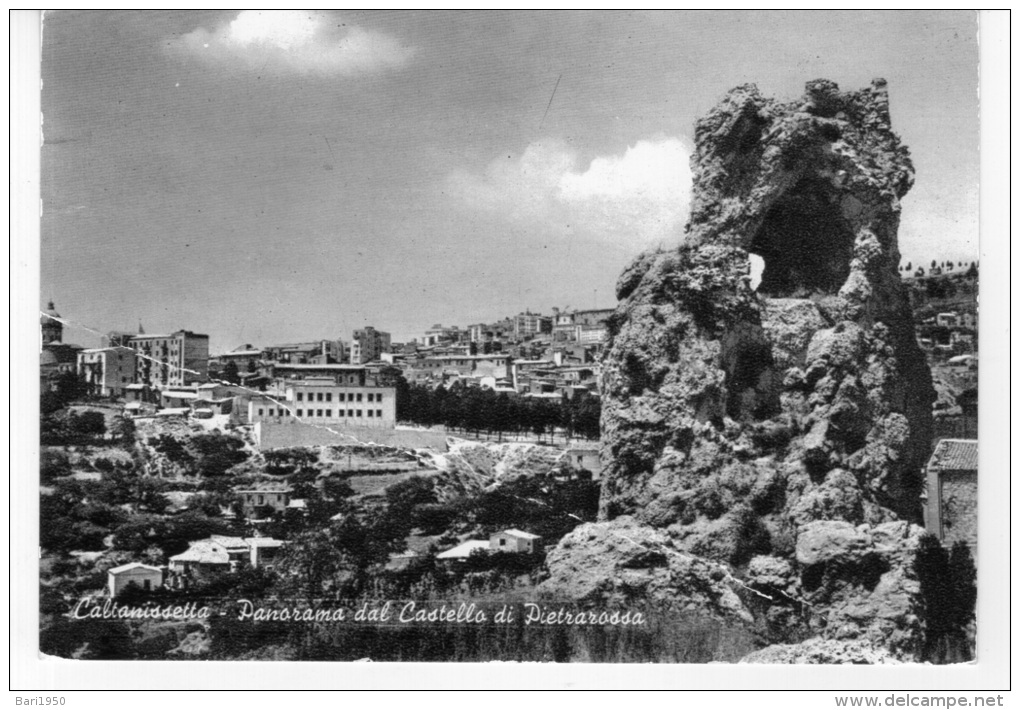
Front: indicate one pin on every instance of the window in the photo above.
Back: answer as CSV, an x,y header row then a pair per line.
x,y
261,500
260,412
329,414
340,397
318,396
359,412
329,396
350,412
370,413
300,412
502,542
318,412
339,412
359,396
300,396
378,413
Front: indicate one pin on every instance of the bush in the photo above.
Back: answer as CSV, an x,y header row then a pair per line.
x,y
215,454
53,464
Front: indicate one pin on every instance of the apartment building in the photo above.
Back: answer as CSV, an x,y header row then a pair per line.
x,y
107,371
528,325
173,360
367,344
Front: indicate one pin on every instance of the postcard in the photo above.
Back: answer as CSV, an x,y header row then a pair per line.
x,y
561,338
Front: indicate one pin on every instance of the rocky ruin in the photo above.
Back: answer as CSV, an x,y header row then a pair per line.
x,y
779,431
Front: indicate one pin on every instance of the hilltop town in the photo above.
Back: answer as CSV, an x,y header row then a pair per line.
x,y
451,461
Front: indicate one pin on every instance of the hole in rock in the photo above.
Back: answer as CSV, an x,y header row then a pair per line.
x,y
757,267
805,243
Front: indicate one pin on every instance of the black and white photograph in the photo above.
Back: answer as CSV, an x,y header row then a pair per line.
x,y
575,338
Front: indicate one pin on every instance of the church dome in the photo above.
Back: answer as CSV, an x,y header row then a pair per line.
x,y
50,311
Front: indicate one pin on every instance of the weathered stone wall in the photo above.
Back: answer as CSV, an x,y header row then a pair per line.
x,y
959,507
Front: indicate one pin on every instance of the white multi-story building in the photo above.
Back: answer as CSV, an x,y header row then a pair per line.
x,y
325,402
528,324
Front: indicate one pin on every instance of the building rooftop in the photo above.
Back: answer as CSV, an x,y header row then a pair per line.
x,y
520,533
463,550
133,565
264,542
204,551
152,336
110,348
230,542
955,455
265,487
313,366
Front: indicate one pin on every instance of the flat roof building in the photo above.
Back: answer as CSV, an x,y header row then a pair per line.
x,y
173,360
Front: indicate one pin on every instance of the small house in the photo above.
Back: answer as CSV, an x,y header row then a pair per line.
x,y
217,554
514,540
582,457
266,495
263,551
145,577
402,560
204,559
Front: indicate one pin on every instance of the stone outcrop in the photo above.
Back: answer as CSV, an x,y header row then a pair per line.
x,y
780,430
621,563
822,651
469,467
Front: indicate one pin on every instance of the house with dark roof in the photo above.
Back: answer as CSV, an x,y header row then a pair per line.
x,y
950,496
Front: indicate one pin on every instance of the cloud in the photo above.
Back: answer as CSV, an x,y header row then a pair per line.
x,y
641,195
296,41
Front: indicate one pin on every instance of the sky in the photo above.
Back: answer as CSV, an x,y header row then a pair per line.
x,y
269,177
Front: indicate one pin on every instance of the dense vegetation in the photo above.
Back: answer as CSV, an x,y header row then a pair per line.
x,y
484,410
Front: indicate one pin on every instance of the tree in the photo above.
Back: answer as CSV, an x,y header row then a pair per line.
x,y
67,387
214,453
89,425
53,464
336,488
123,428
230,373
288,462
949,594
404,496
212,504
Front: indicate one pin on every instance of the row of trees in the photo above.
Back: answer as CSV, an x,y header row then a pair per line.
x,y
484,410
87,427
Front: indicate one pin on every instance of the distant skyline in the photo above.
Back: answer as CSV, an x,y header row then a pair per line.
x,y
270,177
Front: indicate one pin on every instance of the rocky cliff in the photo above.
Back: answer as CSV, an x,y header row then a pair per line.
x,y
470,467
781,429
